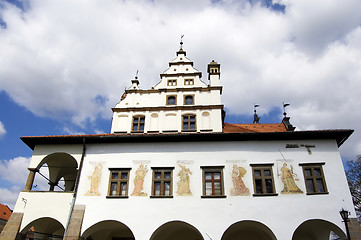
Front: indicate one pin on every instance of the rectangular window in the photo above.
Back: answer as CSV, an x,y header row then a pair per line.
x,y
314,178
263,180
189,122
213,182
162,182
138,124
188,100
189,81
172,82
171,100
118,182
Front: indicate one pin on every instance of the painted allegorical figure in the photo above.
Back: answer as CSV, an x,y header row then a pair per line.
x,y
289,184
183,183
239,188
139,180
94,180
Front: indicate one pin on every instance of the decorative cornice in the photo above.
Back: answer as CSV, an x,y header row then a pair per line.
x,y
168,108
180,63
190,89
180,74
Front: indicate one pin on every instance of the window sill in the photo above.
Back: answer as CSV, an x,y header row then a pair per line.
x,y
161,196
215,196
265,195
117,196
137,132
317,193
193,130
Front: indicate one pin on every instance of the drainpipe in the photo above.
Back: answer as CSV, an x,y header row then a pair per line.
x,y
76,186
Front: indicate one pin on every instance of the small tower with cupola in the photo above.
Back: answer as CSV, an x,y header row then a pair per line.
x,y
214,72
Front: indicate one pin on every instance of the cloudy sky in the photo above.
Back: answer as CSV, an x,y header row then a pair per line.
x,y
64,64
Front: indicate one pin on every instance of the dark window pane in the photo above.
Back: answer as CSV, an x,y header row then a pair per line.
x,y
167,188
317,171
157,188
208,175
269,188
193,126
217,175
167,175
141,127
189,100
267,172
135,120
157,175
123,188
307,172
114,175
217,188
257,173
320,185
171,100
310,187
113,190
258,183
124,175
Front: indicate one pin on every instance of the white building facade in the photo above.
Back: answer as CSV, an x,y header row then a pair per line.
x,y
172,169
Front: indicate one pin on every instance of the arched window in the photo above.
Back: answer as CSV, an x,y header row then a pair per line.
x,y
138,124
189,122
171,100
189,100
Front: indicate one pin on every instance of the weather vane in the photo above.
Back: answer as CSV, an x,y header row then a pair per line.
x,y
284,108
256,118
181,42
136,74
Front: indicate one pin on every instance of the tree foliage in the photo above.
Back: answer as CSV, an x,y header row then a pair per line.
x,y
353,174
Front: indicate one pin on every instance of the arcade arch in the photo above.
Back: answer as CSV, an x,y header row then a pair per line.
x,y
248,230
44,228
317,229
176,230
108,230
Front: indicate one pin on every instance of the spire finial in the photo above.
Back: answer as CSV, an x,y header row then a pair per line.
x,y
255,116
181,42
284,108
136,74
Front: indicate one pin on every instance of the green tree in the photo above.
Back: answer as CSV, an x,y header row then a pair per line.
x,y
353,174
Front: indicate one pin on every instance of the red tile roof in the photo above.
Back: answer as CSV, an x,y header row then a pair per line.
x,y
5,212
255,127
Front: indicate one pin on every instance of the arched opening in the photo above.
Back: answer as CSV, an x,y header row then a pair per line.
x,y
248,230
43,228
108,230
317,229
58,171
176,230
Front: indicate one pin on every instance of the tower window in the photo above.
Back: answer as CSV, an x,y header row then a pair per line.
x,y
138,124
189,81
172,82
189,122
188,100
171,100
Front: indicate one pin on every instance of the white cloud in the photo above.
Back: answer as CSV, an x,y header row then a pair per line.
x,y
9,196
2,129
76,66
15,170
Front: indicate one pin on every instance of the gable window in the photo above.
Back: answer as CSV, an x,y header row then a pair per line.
x,y
172,82
171,100
314,178
213,182
263,180
138,124
189,122
118,182
162,182
189,100
189,81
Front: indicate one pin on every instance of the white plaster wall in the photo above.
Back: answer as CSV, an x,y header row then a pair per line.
x,y
41,151
36,205
282,213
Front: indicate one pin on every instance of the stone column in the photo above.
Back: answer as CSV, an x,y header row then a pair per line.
x,y
355,229
30,181
12,227
76,221
52,185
